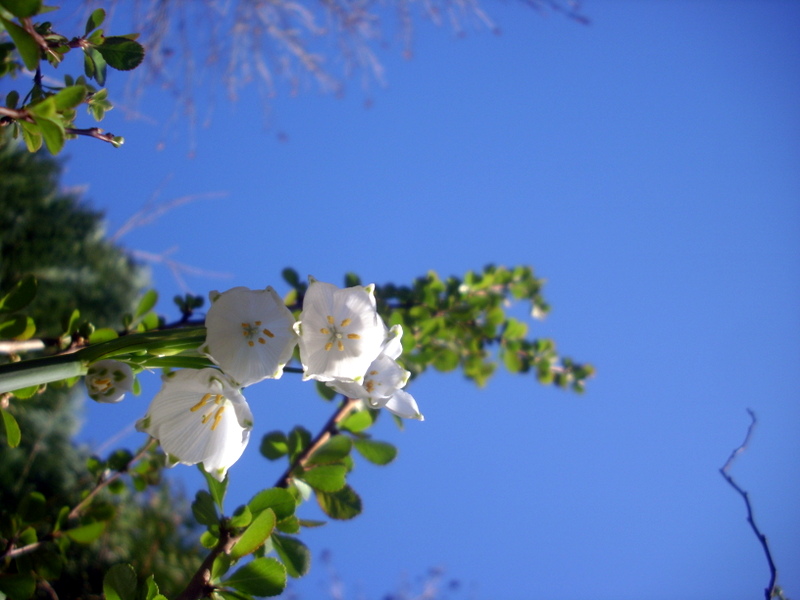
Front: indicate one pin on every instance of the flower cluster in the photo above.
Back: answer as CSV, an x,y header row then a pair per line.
x,y
201,416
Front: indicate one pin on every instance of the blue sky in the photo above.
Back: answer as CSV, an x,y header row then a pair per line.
x,y
647,166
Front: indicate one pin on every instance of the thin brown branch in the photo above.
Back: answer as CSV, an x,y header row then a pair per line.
x,y
329,429
108,480
772,588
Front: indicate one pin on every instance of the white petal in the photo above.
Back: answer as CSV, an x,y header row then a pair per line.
x,y
403,405
341,332
199,417
108,380
250,334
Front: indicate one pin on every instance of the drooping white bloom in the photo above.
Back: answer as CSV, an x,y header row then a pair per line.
x,y
340,332
108,380
382,383
250,334
199,416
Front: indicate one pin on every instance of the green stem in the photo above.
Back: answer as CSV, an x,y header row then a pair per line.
x,y
26,373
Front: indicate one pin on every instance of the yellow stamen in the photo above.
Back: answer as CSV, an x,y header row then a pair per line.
x,y
217,417
260,341
268,333
330,320
340,345
200,404
328,346
353,336
205,418
258,323
250,343
346,322
324,331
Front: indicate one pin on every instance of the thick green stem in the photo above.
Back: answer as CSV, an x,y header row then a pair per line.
x,y
26,373
36,371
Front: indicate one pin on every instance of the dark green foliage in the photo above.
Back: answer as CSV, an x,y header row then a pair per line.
x,y
51,234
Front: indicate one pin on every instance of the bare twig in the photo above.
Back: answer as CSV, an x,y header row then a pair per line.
x,y
772,588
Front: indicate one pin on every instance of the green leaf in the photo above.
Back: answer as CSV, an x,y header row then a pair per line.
x,y
13,434
26,45
86,533
294,554
515,330
22,8
327,392
290,276
261,577
279,500
94,65
342,505
31,135
26,392
358,421
17,586
20,295
32,508
52,132
325,478
103,334
12,98
69,97
380,453
335,449
120,583
274,445
299,439
216,488
446,360
16,327
204,510
121,53
242,517
255,535
95,20
146,303
69,323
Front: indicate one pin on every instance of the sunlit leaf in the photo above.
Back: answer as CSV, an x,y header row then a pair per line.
x,y
255,535
86,533
325,478
261,577
13,434
335,449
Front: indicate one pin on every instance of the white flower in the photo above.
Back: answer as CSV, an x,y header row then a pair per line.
x,y
199,416
340,332
382,383
249,334
108,380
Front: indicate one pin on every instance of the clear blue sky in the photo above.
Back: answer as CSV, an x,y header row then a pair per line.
x,y
647,166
